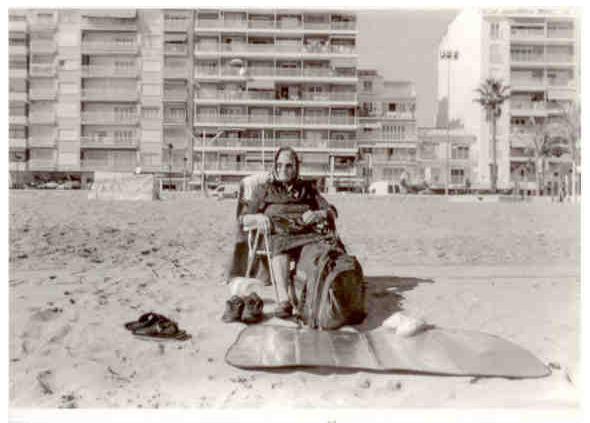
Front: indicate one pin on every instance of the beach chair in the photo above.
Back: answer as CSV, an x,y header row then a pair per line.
x,y
258,238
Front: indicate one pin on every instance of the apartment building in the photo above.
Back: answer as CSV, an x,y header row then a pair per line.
x,y
388,141
294,84
182,91
536,53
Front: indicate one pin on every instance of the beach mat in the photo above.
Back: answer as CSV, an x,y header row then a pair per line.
x,y
122,186
435,351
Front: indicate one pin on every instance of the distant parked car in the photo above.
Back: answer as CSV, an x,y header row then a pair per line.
x,y
226,191
49,185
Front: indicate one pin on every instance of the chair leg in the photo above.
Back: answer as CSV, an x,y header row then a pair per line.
x,y
273,281
252,248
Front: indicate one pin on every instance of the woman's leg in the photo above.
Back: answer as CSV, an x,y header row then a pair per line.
x,y
280,268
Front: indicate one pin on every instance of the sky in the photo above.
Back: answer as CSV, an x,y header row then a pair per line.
x,y
402,44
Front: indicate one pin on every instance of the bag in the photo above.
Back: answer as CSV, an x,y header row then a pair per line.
x,y
329,287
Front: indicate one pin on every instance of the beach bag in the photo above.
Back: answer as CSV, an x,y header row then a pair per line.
x,y
329,287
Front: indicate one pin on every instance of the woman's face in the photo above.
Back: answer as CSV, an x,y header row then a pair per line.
x,y
286,167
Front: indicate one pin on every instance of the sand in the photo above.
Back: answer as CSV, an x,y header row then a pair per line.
x,y
80,269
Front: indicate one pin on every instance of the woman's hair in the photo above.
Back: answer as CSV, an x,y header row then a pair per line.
x,y
276,158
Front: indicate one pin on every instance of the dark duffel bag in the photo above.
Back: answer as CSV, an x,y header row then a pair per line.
x,y
329,287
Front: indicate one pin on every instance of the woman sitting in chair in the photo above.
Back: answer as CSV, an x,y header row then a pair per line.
x,y
297,215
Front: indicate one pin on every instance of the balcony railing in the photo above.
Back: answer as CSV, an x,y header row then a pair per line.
x,y
17,50
108,118
38,69
109,71
109,24
17,119
176,49
49,24
109,47
280,24
109,94
43,46
528,82
17,26
176,72
537,33
43,93
274,120
42,164
565,83
528,58
17,96
560,33
271,96
18,143
47,141
108,165
273,48
559,58
42,118
276,142
175,95
177,24
108,142
270,71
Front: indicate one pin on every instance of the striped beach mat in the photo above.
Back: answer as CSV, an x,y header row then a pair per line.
x,y
434,351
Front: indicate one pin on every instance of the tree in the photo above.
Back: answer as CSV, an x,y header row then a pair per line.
x,y
567,127
492,94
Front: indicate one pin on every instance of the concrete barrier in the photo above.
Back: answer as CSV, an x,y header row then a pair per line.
x,y
123,186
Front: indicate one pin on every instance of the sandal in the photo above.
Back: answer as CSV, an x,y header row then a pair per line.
x,y
147,319
160,328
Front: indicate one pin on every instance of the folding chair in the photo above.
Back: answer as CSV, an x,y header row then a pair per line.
x,y
258,238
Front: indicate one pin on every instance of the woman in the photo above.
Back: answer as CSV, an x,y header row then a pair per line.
x,y
297,215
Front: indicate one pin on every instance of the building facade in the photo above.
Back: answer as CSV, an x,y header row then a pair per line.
x,y
180,92
534,52
388,141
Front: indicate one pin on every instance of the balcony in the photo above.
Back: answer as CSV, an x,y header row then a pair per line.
x,y
18,143
42,69
43,24
271,25
275,50
291,121
17,119
17,25
175,49
273,143
43,164
109,94
527,59
566,34
527,84
17,73
176,72
177,23
42,118
175,95
100,71
17,96
560,59
270,97
47,141
109,47
109,24
17,50
43,46
311,74
43,93
108,118
108,164
527,34
174,119
527,108
92,142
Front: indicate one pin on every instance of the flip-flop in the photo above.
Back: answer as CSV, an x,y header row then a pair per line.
x,y
181,335
162,328
145,320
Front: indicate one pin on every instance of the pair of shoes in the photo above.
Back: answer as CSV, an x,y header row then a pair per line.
x,y
284,310
153,325
247,309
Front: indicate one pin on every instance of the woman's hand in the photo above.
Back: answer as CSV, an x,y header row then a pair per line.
x,y
259,220
314,216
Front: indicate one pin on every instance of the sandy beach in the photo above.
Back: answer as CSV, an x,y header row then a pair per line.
x,y
80,269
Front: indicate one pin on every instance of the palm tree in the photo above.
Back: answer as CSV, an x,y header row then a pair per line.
x,y
492,94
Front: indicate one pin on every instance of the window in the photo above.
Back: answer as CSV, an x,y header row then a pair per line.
x,y
460,152
457,176
392,107
494,30
367,85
